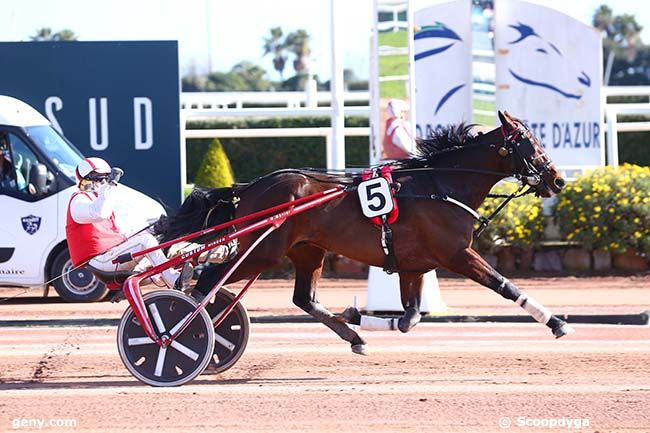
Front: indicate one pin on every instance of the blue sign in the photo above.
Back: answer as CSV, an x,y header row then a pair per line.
x,y
115,100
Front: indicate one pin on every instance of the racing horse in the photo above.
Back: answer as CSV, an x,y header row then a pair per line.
x,y
440,187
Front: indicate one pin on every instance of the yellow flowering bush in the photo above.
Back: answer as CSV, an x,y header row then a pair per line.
x,y
607,209
519,224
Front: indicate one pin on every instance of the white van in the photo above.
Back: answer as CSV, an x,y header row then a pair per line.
x,y
36,181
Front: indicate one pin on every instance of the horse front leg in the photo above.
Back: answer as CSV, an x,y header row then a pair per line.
x,y
308,260
410,287
469,263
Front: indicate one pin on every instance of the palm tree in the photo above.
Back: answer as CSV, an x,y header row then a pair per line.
x,y
45,34
65,35
42,34
274,44
298,43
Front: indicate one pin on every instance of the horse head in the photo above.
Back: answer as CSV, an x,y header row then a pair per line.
x,y
545,56
527,158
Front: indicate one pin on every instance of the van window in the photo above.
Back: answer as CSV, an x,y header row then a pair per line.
x,y
61,153
18,162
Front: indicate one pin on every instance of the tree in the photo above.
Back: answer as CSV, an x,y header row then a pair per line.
x,y
252,75
244,76
275,45
45,34
621,41
42,34
215,171
298,43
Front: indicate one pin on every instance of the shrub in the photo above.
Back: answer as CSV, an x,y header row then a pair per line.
x,y
607,209
215,169
252,157
519,224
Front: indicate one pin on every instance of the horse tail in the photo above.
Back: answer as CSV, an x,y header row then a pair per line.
x,y
204,207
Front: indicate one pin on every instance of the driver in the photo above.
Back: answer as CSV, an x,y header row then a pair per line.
x,y
397,138
94,235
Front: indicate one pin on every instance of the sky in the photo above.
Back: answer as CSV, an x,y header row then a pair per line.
x,y
217,34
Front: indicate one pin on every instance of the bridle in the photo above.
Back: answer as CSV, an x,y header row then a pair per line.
x,y
519,142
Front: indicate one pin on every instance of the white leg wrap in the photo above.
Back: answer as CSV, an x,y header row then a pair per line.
x,y
369,323
534,308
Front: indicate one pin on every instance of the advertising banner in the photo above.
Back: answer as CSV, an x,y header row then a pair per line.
x,y
443,65
548,73
114,100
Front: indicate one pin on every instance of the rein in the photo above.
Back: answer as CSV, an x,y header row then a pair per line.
x,y
482,220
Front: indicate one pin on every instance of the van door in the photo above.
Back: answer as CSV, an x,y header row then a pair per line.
x,y
28,211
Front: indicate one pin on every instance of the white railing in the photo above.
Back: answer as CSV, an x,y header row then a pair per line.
x,y
222,100
280,132
207,114
627,91
613,127
214,105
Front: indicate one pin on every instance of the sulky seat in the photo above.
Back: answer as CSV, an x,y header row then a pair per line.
x,y
112,279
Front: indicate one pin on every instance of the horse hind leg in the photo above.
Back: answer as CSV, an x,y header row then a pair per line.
x,y
308,260
411,295
469,263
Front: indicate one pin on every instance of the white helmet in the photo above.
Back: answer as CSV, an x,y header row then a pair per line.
x,y
396,107
92,169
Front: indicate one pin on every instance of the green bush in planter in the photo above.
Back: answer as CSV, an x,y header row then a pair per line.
x,y
519,224
215,170
607,209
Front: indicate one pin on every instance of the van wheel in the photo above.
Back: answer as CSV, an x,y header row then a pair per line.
x,y
77,286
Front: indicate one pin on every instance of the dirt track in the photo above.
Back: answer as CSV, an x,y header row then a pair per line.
x,y
301,377
449,378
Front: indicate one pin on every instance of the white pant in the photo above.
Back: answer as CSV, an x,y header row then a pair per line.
x,y
139,242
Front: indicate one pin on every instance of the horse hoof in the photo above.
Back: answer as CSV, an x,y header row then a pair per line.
x,y
351,315
408,321
563,330
360,349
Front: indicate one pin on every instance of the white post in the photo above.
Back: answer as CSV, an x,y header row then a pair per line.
x,y
411,84
383,289
373,85
612,137
336,87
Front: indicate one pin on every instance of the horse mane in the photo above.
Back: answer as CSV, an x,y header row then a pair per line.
x,y
204,207
441,140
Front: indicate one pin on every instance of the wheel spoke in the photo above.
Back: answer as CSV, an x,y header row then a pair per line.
x,y
185,350
217,316
160,363
179,324
225,343
139,341
156,317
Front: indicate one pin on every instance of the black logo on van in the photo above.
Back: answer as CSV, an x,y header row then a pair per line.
x,y
31,223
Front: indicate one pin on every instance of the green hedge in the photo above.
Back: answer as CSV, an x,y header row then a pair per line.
x,y
519,224
252,157
607,209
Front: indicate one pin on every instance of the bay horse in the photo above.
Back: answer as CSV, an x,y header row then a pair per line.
x,y
461,163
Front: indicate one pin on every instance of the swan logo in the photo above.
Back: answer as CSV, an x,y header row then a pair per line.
x,y
545,56
435,39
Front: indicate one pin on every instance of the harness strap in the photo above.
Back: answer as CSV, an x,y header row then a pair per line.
x,y
390,259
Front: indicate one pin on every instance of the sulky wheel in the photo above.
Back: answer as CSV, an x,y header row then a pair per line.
x,y
231,336
183,360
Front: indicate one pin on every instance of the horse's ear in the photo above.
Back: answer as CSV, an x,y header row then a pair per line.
x,y
505,120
